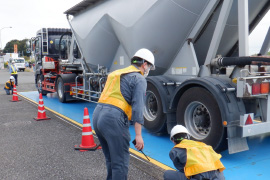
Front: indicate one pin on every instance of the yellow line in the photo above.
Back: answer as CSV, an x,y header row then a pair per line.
x,y
153,161
75,122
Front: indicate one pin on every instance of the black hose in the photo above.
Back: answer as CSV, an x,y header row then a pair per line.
x,y
242,61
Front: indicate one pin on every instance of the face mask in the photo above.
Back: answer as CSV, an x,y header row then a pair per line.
x,y
146,72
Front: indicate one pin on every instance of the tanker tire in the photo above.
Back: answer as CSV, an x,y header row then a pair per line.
x,y
155,123
60,90
38,85
198,104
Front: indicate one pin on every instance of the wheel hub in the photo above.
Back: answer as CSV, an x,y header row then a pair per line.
x,y
59,89
151,107
198,120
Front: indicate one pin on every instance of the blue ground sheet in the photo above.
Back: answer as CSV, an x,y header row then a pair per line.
x,y
247,165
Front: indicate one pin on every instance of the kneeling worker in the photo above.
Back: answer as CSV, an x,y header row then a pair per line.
x,y
194,160
9,85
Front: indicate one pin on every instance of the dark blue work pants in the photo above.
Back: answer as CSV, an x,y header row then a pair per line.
x,y
111,127
16,78
176,175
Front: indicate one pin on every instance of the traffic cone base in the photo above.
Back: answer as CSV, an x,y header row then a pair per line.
x,y
88,143
82,149
40,119
41,110
15,100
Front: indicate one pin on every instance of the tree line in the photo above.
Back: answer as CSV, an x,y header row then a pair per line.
x,y
21,47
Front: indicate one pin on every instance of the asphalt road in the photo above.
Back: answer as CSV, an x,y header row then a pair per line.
x,y
45,149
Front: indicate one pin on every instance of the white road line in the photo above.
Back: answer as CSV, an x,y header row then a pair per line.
x,y
68,122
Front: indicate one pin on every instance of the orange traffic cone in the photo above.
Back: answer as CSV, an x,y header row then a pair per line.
x,y
15,95
88,143
41,110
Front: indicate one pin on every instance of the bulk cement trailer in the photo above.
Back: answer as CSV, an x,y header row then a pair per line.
x,y
204,77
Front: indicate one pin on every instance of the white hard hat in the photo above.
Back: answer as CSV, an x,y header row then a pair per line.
x,y
146,55
178,129
12,78
12,61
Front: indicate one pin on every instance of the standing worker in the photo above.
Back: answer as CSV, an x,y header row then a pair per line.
x,y
194,160
13,71
122,99
9,85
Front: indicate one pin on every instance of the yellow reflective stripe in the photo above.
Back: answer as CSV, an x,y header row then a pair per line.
x,y
13,71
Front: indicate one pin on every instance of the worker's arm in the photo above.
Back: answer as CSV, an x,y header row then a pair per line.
x,y
139,140
179,158
138,98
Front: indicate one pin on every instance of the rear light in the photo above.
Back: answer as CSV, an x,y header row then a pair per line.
x,y
249,120
256,88
264,87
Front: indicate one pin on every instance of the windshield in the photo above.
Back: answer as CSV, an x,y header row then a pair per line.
x,y
19,60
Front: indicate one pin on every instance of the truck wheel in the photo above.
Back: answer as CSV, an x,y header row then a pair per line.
x,y
154,118
39,85
61,90
198,111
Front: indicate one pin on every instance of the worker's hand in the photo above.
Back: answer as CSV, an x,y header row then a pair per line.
x,y
139,143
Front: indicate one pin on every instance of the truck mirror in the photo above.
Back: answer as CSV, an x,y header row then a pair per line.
x,y
27,44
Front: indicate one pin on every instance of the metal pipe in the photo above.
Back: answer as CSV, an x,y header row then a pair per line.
x,y
76,82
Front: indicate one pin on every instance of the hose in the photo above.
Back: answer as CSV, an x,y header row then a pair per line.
x,y
241,61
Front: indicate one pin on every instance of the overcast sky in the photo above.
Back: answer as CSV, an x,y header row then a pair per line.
x,y
26,17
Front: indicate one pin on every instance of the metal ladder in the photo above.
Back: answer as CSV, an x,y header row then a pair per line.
x,y
44,38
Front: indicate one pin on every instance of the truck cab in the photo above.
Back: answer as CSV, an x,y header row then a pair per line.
x,y
54,72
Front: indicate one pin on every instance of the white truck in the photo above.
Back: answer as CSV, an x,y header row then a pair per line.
x,y
19,62
204,78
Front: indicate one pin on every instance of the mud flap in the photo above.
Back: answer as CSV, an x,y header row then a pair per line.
x,y
235,143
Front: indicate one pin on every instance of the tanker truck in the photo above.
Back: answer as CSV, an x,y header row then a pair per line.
x,y
204,77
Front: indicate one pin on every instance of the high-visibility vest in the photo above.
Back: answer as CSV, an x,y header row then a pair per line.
x,y
11,84
112,92
200,158
14,70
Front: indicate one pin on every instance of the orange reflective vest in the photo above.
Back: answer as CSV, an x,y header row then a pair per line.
x,y
112,92
200,158
9,85
14,71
